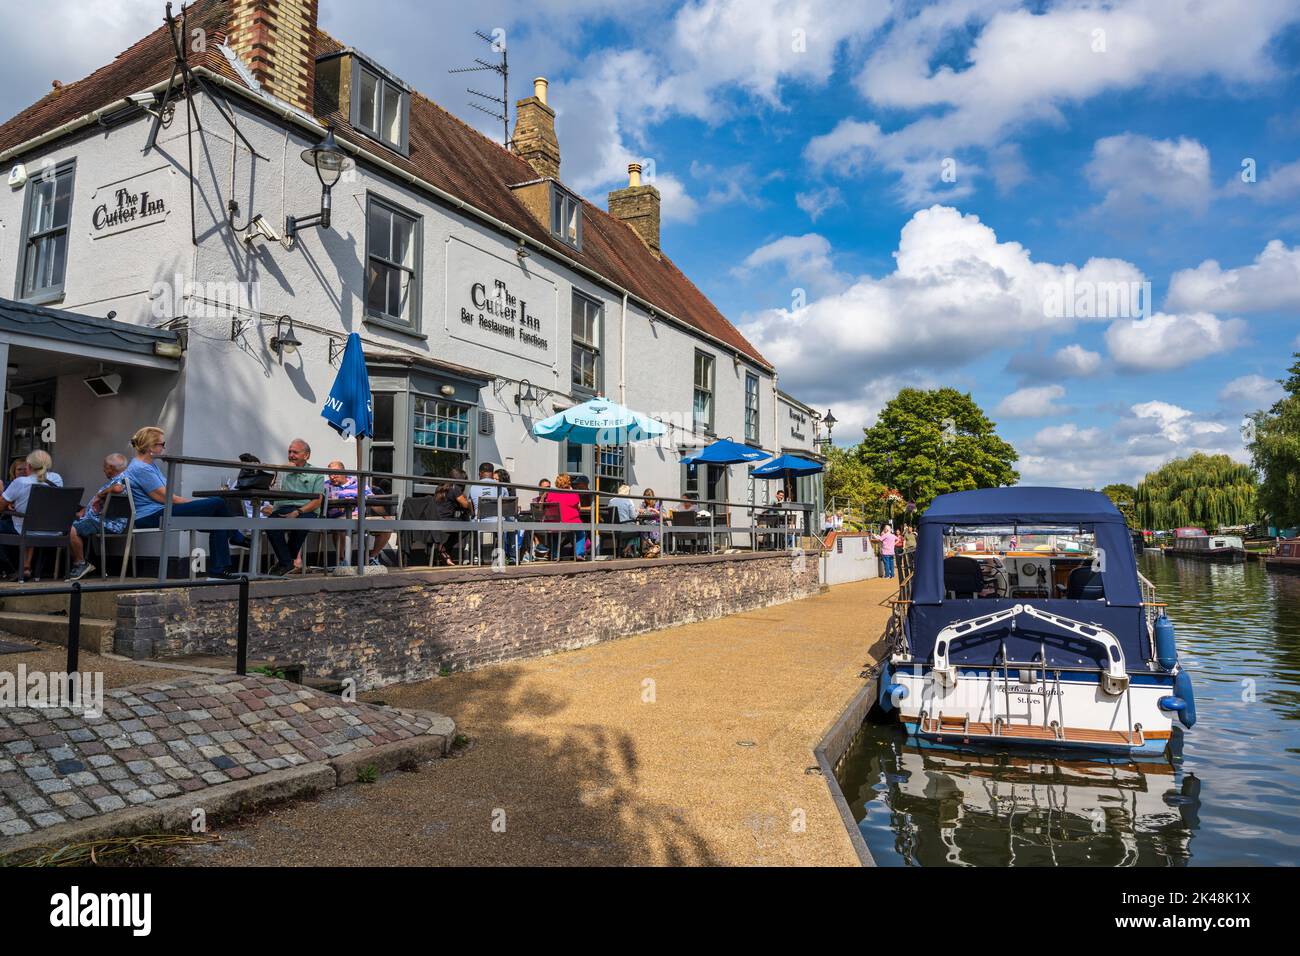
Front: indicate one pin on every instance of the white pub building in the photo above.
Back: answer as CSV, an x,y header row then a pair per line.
x,y
177,258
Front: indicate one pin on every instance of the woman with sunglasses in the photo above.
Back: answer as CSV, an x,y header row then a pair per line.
x,y
149,493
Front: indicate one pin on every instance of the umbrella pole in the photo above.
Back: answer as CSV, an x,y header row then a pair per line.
x,y
359,558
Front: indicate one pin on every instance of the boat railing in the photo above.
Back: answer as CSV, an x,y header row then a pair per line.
x,y
1149,603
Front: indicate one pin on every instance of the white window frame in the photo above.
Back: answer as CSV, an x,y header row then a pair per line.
x,y
752,404
385,91
566,216
30,238
588,346
412,322
710,389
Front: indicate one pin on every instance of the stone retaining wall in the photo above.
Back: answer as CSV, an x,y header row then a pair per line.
x,y
408,625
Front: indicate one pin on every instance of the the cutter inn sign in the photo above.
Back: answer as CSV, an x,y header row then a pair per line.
x,y
502,312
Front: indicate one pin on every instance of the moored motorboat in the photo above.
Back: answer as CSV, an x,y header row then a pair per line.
x,y
1198,544
1028,645
1285,558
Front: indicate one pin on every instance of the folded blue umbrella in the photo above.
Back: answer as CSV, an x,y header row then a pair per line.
x,y
348,408
724,451
598,422
787,466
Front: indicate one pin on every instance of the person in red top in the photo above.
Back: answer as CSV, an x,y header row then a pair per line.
x,y
568,501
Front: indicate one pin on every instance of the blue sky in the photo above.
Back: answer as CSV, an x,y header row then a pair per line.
x,y
933,177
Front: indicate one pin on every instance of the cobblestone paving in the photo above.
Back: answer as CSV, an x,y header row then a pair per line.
x,y
165,739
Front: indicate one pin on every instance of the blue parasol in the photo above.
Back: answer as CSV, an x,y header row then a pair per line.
x,y
724,451
348,408
787,466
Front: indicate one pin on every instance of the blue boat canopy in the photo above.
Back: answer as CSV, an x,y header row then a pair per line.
x,y
1091,511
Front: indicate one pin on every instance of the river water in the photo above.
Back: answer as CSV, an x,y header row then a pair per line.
x,y
1229,795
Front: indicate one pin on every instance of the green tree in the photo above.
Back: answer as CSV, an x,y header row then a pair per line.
x,y
1209,491
1125,499
849,478
1275,449
929,442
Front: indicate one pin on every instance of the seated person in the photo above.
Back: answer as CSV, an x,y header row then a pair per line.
x,y
13,501
342,489
287,545
486,472
570,508
90,520
149,492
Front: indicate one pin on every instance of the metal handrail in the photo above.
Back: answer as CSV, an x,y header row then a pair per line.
x,y
77,589
170,523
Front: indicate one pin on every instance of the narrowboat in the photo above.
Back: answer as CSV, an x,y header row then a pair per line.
x,y
1196,543
1032,645
1286,557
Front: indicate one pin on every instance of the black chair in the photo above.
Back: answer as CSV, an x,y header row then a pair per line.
x,y
962,577
47,522
684,519
1084,584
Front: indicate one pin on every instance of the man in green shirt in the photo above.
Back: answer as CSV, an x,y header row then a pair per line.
x,y
286,545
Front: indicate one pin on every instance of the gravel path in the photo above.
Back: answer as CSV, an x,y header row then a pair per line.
x,y
683,746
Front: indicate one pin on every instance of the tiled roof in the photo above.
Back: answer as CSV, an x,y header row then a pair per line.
x,y
444,151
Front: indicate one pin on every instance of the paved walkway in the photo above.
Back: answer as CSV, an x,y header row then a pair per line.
x,y
683,746
167,739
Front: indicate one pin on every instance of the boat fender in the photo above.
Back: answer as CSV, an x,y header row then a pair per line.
x,y
891,692
1166,649
1183,690
1175,704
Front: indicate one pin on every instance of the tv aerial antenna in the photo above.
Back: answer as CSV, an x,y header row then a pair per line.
x,y
501,104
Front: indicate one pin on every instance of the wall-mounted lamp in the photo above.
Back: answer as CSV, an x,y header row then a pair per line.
x,y
329,161
829,421
525,395
653,315
284,342
447,390
522,251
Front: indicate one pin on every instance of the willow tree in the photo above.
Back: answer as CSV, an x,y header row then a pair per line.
x,y
1209,491
1275,448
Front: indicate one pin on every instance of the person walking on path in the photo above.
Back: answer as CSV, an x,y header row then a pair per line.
x,y
888,541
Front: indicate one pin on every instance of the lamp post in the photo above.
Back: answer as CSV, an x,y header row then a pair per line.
x,y
330,162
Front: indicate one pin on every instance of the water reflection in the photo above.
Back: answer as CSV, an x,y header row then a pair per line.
x,y
947,808
1226,796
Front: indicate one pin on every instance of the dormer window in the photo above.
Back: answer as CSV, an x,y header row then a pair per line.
x,y
371,99
382,109
566,216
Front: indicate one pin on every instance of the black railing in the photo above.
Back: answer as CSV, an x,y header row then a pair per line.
x,y
797,515
77,589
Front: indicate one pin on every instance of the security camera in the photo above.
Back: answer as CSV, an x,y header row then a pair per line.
x,y
143,99
259,227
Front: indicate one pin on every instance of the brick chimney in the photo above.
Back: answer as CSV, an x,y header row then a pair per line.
x,y
638,206
534,138
274,38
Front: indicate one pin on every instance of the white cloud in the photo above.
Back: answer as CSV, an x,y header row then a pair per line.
x,y
817,201
1276,185
1164,341
675,203
1144,437
1025,67
804,260
1034,402
688,65
1251,392
1272,281
956,292
1070,361
1137,173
